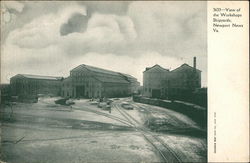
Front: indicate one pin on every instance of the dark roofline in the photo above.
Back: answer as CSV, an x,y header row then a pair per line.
x,y
126,82
41,77
148,68
186,65
127,76
104,71
66,78
97,70
86,66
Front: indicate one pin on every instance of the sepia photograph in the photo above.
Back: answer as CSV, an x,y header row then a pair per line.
x,y
103,81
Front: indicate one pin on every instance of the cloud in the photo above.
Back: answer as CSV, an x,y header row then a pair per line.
x,y
76,23
101,31
171,28
39,43
106,7
105,33
132,36
43,31
15,5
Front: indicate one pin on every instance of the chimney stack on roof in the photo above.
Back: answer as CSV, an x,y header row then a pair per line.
x,y
195,62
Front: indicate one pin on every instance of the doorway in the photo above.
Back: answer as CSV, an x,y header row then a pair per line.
x,y
80,91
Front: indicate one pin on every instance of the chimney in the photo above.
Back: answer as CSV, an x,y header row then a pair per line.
x,y
194,62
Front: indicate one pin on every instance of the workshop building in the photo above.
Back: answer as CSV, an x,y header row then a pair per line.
x,y
176,84
153,81
92,82
134,84
25,86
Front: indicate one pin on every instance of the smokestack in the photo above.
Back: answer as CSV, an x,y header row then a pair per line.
x,y
195,62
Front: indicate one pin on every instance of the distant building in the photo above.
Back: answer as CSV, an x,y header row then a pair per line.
x,y
134,84
176,84
183,81
4,93
67,88
92,82
153,81
25,86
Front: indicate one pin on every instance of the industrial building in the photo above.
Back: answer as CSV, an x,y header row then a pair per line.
x,y
153,81
66,88
4,93
93,82
176,84
26,86
133,83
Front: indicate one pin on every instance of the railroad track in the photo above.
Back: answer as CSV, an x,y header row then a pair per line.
x,y
163,149
167,154
99,113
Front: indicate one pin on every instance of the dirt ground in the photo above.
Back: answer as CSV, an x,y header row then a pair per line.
x,y
48,132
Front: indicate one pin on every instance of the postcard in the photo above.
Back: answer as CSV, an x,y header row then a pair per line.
x,y
124,81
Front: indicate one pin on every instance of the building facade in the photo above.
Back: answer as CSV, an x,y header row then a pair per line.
x,y
25,86
92,82
4,93
153,81
66,88
134,84
183,81
176,84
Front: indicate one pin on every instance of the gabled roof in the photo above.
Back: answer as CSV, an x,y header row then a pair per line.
x,y
38,77
116,76
96,69
185,66
105,79
129,78
149,68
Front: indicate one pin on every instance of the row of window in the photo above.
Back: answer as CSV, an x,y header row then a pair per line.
x,y
186,83
87,94
91,85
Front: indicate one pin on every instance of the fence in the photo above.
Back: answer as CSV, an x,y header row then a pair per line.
x,y
195,112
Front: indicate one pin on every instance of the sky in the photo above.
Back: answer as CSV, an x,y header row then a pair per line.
x,y
51,38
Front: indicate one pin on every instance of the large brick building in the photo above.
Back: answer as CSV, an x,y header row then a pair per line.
x,y
92,82
24,86
153,81
178,83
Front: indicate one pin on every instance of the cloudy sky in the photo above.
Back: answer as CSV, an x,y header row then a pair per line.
x,y
50,38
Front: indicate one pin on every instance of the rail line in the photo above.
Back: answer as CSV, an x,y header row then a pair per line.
x,y
164,144
180,130
99,113
164,150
